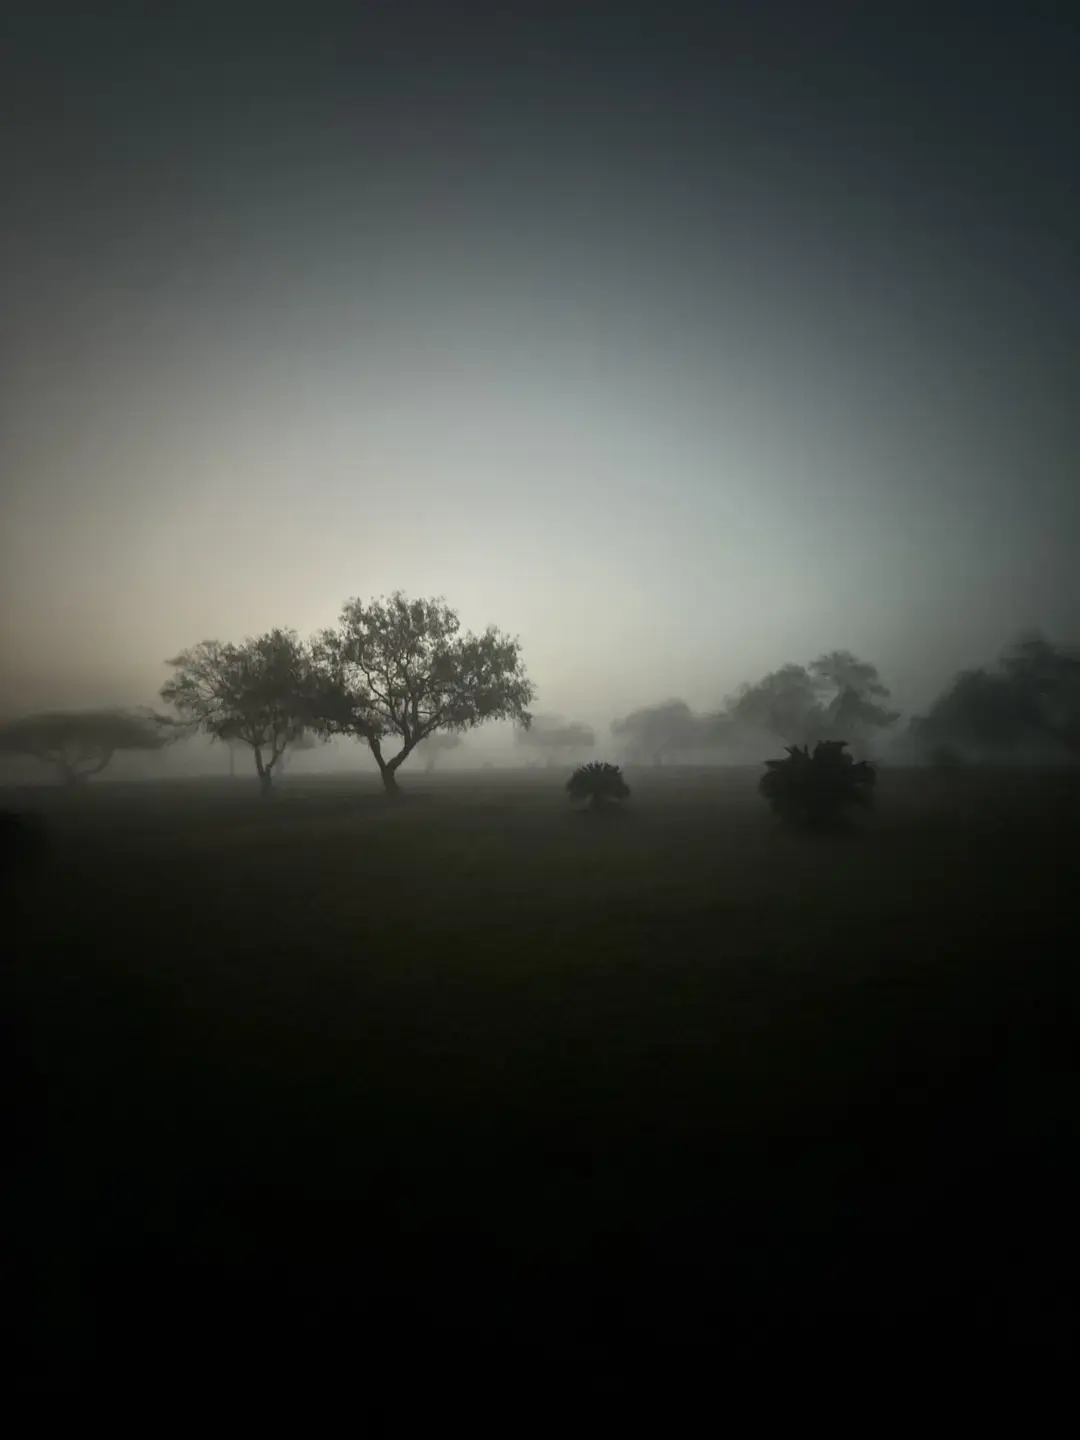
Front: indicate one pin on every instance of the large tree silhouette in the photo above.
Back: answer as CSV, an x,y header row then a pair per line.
x,y
402,669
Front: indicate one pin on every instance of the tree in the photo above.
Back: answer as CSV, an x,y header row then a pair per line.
x,y
840,670
403,668
551,735
834,697
436,745
80,743
1047,677
853,717
598,783
852,713
785,703
980,714
650,734
1028,705
254,693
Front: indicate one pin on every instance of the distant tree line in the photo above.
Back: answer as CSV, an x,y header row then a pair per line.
x,y
401,676
1024,708
835,697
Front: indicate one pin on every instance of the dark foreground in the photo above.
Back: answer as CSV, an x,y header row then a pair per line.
x,y
336,1081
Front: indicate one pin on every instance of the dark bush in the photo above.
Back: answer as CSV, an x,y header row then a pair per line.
x,y
815,790
598,783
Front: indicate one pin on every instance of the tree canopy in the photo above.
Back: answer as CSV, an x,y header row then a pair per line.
x,y
1028,705
784,703
654,732
80,743
254,693
403,668
832,698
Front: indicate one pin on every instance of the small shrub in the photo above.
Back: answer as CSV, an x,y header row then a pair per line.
x,y
814,790
598,783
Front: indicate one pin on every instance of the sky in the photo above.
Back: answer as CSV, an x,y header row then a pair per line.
x,y
679,341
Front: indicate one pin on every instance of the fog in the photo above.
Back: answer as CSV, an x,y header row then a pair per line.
x,y
681,357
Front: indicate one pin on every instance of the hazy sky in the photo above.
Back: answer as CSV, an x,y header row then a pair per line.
x,y
680,341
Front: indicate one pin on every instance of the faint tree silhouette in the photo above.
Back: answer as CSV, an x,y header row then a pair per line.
x,y
80,743
552,737
436,745
656,732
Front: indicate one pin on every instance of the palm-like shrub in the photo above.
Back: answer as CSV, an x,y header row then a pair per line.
x,y
815,789
599,783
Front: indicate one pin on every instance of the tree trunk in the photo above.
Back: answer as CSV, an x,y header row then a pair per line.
x,y
72,776
266,779
387,768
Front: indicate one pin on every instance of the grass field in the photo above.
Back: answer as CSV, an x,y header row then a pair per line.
x,y
476,1064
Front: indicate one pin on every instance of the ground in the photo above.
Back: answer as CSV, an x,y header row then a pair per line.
x,y
477,1064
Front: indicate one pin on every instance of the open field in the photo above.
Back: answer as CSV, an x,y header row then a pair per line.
x,y
479,1065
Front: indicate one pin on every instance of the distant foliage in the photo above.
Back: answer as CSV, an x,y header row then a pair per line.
x,y
836,694
1025,708
435,745
814,790
784,703
598,783
655,733
80,743
551,735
